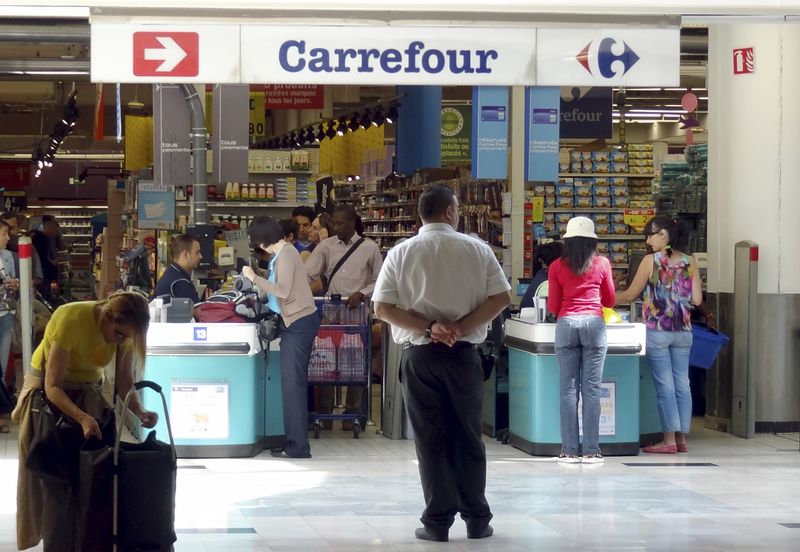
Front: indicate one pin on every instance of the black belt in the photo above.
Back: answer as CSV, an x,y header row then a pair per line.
x,y
457,346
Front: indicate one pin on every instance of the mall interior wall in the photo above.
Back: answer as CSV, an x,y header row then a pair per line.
x,y
753,195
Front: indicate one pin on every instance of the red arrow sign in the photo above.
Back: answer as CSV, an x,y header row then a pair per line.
x,y
165,54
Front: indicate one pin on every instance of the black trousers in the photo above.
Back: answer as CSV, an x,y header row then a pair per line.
x,y
443,392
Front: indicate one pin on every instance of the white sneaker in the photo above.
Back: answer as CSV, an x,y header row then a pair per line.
x,y
595,458
564,458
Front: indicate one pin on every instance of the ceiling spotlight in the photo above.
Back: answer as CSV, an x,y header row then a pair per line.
x,y
341,128
357,177
366,121
330,133
353,124
379,118
391,115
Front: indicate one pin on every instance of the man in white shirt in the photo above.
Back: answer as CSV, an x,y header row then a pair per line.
x,y
354,279
439,290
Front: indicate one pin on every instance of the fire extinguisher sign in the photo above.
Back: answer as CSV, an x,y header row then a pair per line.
x,y
744,61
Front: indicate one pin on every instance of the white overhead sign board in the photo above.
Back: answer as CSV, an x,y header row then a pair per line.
x,y
164,53
384,55
388,55
608,57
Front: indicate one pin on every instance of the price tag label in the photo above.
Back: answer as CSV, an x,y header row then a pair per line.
x,y
638,218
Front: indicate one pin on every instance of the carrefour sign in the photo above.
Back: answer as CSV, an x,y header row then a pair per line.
x,y
383,55
388,55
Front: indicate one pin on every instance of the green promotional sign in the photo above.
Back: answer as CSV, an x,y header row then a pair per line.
x,y
456,133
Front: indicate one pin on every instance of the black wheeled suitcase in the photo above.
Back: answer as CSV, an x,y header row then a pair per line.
x,y
127,492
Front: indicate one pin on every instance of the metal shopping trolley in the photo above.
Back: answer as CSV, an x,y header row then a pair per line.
x,y
341,356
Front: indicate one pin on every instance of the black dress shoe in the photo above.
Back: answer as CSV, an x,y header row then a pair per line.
x,y
284,454
423,533
486,532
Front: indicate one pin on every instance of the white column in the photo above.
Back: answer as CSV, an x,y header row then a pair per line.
x,y
754,154
517,186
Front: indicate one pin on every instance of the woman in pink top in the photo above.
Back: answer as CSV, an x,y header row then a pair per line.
x,y
580,285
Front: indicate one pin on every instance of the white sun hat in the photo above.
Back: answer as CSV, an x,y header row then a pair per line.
x,y
580,227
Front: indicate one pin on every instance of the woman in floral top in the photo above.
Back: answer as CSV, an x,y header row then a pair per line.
x,y
671,285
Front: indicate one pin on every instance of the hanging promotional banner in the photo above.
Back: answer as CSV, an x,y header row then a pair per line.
x,y
294,96
585,112
172,150
14,175
229,142
608,57
387,54
258,116
164,53
541,133
490,132
456,144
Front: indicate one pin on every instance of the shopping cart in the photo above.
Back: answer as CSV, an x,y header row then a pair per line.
x,y
341,356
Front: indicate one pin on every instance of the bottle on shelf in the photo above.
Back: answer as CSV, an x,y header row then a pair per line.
x,y
262,191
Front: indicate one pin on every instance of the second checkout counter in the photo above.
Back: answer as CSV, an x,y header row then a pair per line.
x,y
534,389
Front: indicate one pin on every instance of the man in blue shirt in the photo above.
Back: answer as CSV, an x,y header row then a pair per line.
x,y
177,279
303,216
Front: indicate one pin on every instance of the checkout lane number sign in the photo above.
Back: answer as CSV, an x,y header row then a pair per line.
x,y
201,333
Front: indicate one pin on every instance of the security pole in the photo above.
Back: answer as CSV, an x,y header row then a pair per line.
x,y
25,294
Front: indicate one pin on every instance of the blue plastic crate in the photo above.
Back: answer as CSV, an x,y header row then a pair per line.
x,y
705,347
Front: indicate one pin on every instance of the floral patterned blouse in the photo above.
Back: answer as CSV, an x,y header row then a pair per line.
x,y
668,294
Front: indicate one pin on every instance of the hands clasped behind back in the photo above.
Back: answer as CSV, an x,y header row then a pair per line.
x,y
447,333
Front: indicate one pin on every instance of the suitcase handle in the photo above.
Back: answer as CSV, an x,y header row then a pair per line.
x,y
136,386
146,383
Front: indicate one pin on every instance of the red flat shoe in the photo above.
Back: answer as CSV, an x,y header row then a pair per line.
x,y
666,449
682,447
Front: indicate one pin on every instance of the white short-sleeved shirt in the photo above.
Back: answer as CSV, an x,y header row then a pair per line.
x,y
439,274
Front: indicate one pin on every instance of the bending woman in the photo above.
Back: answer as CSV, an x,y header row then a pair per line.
x,y
671,284
79,341
290,296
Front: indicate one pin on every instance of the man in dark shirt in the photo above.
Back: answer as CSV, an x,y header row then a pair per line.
x,y
177,279
42,241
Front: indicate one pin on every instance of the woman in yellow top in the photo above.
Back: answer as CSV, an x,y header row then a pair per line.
x,y
79,341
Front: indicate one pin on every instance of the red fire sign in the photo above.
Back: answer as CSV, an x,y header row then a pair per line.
x,y
166,54
744,61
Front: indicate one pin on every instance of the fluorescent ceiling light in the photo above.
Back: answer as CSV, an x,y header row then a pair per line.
x,y
674,111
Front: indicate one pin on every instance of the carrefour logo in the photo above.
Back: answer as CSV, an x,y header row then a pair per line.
x,y
613,58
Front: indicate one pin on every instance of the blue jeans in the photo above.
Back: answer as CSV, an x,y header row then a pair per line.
x,y
581,346
296,343
668,357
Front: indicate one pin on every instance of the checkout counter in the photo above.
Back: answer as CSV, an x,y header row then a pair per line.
x,y
222,389
534,391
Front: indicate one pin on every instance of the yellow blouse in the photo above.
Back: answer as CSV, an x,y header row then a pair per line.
x,y
74,328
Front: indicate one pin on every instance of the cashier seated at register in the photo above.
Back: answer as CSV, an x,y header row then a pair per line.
x,y
177,278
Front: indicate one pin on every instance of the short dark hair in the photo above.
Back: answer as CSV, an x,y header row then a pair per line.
x,y
348,211
434,201
578,253
181,243
265,230
304,211
676,230
289,226
5,224
546,254
48,218
8,215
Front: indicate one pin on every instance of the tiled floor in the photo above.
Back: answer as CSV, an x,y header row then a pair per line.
x,y
364,495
